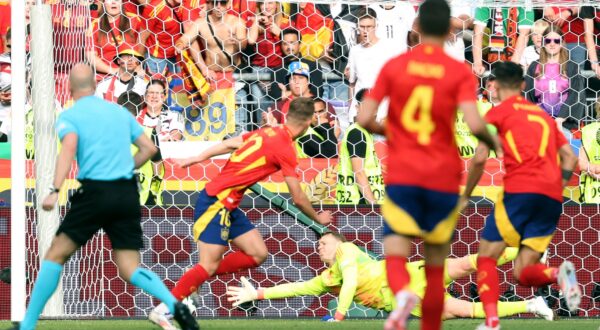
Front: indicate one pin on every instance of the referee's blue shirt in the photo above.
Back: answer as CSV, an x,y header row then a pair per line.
x,y
105,132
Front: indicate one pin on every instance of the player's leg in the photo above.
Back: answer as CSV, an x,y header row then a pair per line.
x,y
61,249
123,227
433,301
501,229
211,231
529,271
488,285
251,243
401,207
78,226
537,234
210,256
397,249
128,263
442,211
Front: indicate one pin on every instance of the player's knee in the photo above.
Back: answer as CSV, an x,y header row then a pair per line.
x,y
260,256
56,257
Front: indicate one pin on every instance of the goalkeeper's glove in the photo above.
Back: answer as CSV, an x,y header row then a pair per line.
x,y
245,293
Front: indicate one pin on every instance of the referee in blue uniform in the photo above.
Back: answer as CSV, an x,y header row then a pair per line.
x,y
100,134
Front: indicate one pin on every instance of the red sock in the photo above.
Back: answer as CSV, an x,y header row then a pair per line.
x,y
397,274
433,301
488,288
538,275
235,262
190,282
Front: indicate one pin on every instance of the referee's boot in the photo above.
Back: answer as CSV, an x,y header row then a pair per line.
x,y
184,317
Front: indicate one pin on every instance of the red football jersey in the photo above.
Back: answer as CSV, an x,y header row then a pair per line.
x,y
105,44
424,87
530,139
263,153
165,23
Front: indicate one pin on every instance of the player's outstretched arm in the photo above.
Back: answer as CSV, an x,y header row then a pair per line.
x,y
225,147
348,289
302,202
476,168
63,166
247,292
568,161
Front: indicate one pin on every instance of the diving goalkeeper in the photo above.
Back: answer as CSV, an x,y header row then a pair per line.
x,y
357,277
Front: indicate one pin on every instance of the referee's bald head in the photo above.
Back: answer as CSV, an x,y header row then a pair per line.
x,y
82,81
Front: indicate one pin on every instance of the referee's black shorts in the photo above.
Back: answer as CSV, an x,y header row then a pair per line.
x,y
111,205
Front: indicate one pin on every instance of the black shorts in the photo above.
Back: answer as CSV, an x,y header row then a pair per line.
x,y
110,205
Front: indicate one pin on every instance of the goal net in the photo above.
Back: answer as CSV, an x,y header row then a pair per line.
x,y
231,90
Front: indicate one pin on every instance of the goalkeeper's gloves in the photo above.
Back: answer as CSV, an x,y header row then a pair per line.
x,y
245,293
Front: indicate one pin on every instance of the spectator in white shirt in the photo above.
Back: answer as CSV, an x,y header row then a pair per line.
x,y
367,57
394,23
126,79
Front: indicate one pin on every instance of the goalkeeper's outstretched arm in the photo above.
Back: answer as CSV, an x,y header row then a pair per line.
x,y
247,292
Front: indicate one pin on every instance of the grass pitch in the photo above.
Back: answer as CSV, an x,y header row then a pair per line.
x,y
265,324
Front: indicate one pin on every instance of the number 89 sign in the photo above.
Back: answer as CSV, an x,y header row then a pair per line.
x,y
215,121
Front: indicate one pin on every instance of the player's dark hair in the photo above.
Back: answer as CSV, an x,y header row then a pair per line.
x,y
291,31
360,95
301,109
434,18
337,235
508,75
365,12
131,101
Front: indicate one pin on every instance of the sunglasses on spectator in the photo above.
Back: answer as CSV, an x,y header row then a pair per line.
x,y
552,40
220,2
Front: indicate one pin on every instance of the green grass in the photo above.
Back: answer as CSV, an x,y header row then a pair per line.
x,y
526,324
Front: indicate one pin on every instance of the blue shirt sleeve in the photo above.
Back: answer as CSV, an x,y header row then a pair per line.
x,y
65,126
135,128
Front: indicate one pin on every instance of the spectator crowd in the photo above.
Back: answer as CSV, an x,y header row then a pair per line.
x,y
207,70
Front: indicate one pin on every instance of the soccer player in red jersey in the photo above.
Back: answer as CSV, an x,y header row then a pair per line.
x,y
255,156
527,213
425,88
